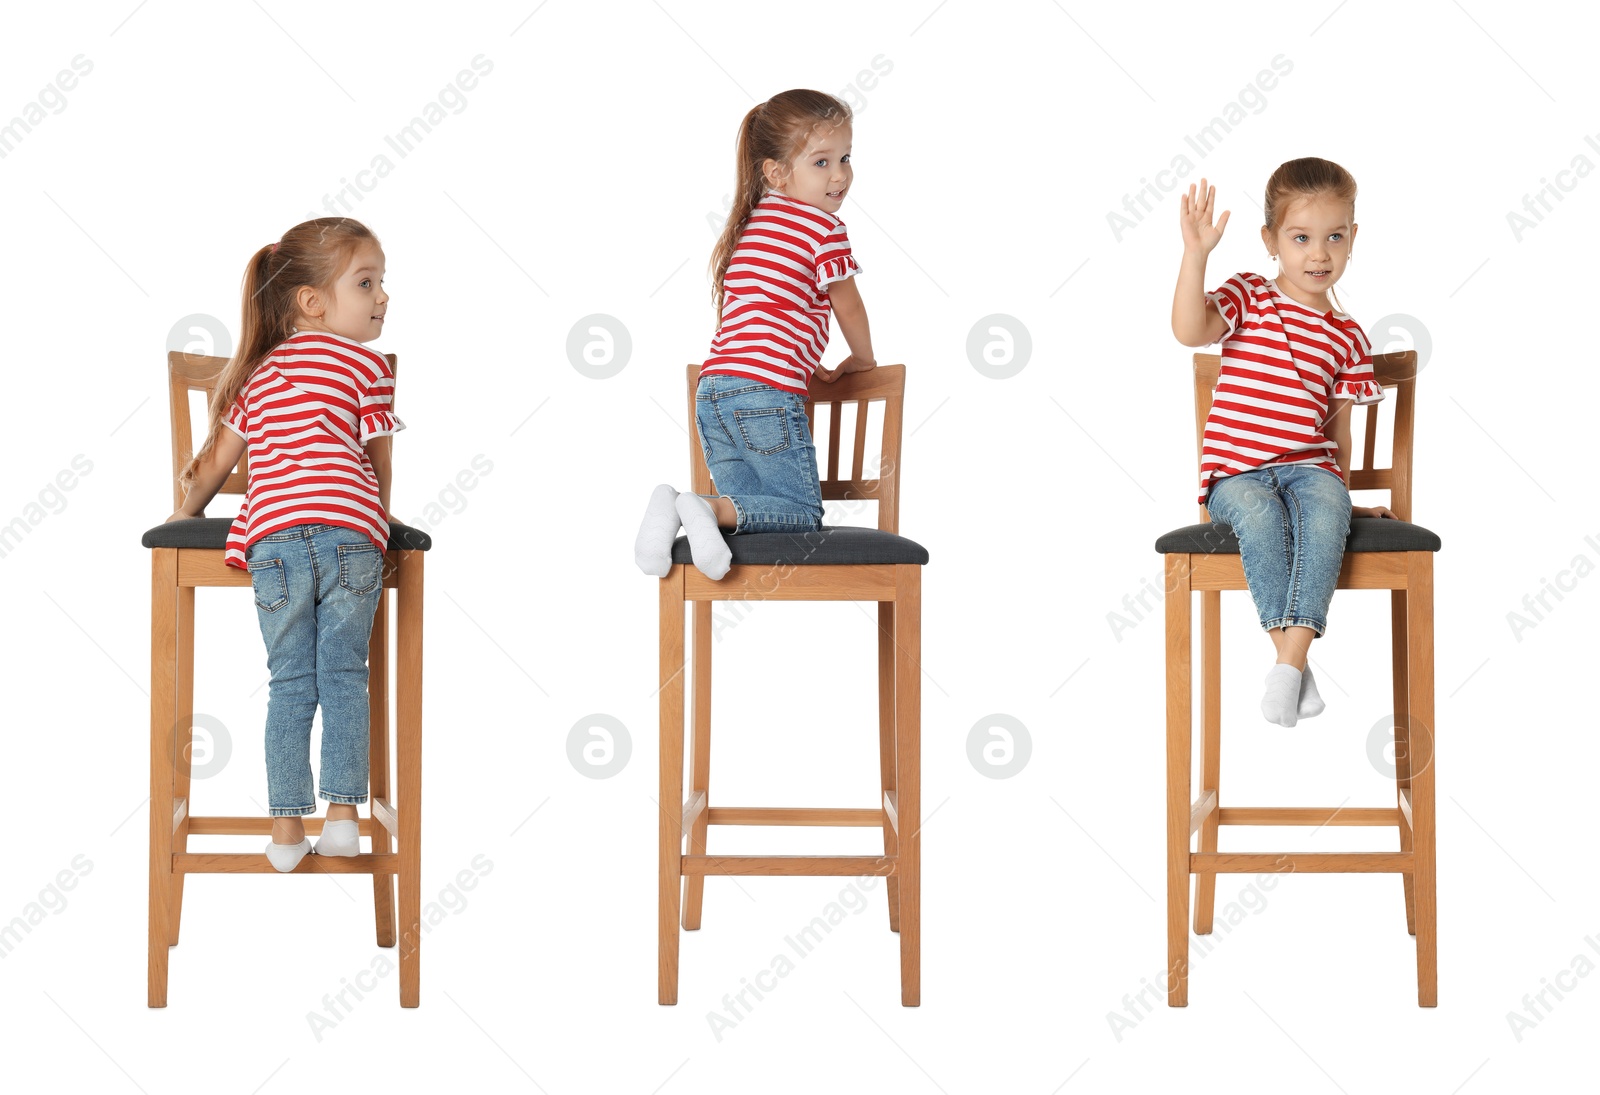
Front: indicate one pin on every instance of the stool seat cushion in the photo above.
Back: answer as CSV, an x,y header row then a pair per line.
x,y
1366,534
831,545
212,532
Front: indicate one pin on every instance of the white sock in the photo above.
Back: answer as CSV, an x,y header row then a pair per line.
x,y
339,838
1310,699
1282,699
286,857
706,545
652,550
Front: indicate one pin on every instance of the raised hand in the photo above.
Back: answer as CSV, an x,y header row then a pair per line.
x,y
1199,234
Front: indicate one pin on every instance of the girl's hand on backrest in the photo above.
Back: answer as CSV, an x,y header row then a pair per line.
x,y
1199,234
852,364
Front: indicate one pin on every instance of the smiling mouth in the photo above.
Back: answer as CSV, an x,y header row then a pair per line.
x,y
837,195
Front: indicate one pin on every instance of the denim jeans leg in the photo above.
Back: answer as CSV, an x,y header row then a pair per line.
x,y
282,577
758,447
1248,502
351,570
1319,507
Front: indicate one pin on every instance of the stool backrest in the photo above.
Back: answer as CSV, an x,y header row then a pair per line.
x,y
196,373
1397,371
886,384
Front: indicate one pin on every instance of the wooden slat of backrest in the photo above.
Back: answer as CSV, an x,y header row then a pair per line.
x,y
1397,371
886,385
196,373
834,410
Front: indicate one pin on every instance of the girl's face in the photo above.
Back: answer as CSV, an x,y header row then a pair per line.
x,y
356,305
1313,247
820,174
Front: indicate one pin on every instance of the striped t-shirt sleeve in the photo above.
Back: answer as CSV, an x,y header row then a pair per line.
x,y
835,262
377,419
1232,299
236,419
1355,378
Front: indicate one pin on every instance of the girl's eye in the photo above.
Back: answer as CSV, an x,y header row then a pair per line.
x,y
1301,238
1336,237
821,163
845,158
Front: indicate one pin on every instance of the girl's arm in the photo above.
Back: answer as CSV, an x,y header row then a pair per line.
x,y
210,475
1338,431
379,451
845,297
1194,322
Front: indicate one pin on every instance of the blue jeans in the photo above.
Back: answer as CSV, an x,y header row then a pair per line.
x,y
757,444
1291,521
316,588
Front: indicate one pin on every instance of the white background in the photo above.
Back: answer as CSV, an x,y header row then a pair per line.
x,y
577,179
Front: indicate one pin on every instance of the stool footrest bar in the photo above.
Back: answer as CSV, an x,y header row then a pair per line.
x,y
1308,815
789,815
259,826
257,863
788,864
1300,862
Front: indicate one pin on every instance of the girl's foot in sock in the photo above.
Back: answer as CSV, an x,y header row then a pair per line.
x,y
1310,699
652,550
286,857
1281,702
706,545
339,838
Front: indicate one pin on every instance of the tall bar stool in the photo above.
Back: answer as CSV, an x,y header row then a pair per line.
x,y
188,554
834,564
1379,554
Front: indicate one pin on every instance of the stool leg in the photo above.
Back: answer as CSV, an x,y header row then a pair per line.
x,y
1205,883
378,765
886,751
670,795
1422,743
908,775
694,886
408,749
163,720
1402,748
182,749
1180,728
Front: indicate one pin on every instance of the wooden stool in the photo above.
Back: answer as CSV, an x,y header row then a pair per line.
x,y
834,564
1379,554
188,554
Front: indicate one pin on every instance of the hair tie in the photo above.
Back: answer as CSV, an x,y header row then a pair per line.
x,y
274,249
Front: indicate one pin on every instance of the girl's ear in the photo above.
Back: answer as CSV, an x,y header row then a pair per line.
x,y
309,301
774,173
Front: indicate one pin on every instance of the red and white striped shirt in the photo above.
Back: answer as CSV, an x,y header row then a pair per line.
x,y
775,294
1282,365
306,414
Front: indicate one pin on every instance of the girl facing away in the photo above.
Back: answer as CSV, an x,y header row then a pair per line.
x,y
782,263
312,404
1275,457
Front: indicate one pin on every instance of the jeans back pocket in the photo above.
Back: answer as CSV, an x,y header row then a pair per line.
x,y
766,430
269,584
360,567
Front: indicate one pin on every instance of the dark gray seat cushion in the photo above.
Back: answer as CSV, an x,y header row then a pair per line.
x,y
839,545
212,532
1366,534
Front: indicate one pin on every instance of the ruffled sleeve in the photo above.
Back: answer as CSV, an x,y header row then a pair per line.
x,y
1231,299
834,260
236,419
377,417
1356,380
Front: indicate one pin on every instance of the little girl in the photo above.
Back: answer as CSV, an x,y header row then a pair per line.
x,y
782,260
1276,451
313,406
